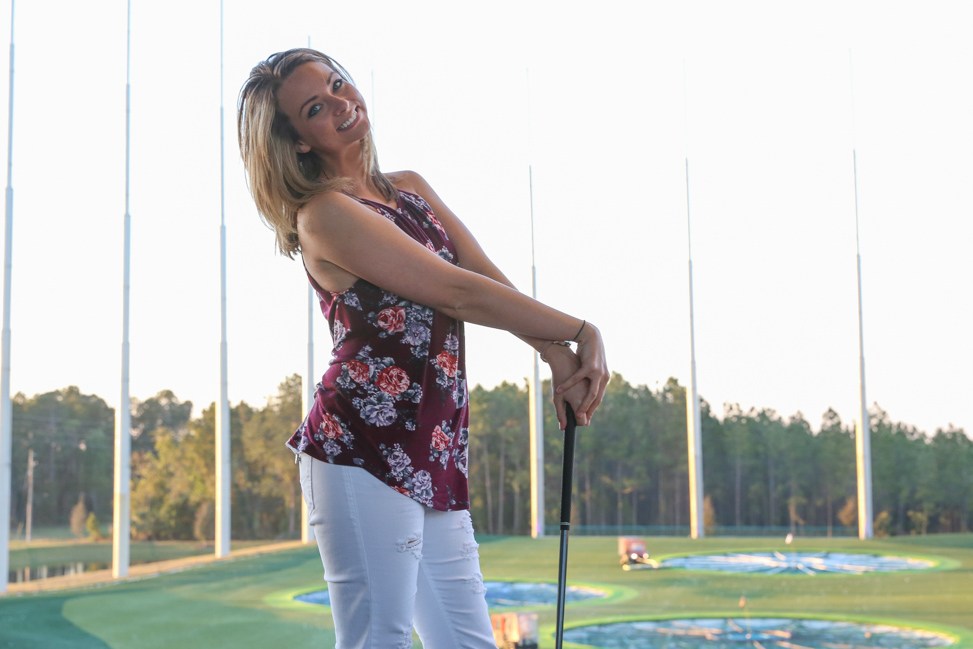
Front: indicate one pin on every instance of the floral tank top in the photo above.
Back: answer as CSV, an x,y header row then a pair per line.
x,y
394,399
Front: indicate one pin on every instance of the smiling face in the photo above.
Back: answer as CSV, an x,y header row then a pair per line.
x,y
326,111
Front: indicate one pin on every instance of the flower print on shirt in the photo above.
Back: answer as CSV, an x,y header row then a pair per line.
x,y
391,320
461,452
350,299
375,386
414,484
393,381
444,253
446,362
396,381
330,432
400,464
442,439
377,410
338,334
421,485
429,216
460,394
411,323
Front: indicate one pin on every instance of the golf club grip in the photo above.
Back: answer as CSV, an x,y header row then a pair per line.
x,y
567,475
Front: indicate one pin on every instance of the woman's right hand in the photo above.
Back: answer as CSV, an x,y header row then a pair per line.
x,y
594,369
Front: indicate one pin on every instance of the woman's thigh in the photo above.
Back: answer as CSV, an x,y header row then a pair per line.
x,y
451,609
371,539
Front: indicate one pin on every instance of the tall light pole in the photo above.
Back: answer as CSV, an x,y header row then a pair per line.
x,y
863,434
693,421
535,397
121,510
307,396
6,421
223,471
536,407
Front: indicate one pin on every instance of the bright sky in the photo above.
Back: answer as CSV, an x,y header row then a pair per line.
x,y
604,102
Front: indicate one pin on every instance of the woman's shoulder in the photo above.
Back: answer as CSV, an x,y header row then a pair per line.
x,y
408,181
326,201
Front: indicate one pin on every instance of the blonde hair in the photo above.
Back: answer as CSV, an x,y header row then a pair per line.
x,y
281,180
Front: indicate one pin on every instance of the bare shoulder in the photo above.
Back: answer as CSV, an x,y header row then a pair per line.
x,y
314,215
410,181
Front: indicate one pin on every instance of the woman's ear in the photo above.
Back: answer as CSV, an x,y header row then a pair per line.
x,y
301,147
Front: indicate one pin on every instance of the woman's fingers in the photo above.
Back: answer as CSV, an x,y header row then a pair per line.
x,y
575,397
562,418
579,375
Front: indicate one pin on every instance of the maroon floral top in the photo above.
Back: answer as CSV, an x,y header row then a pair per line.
x,y
393,400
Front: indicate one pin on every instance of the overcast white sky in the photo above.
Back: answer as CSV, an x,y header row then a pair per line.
x,y
592,97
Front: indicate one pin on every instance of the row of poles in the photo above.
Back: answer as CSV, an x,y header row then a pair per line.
x,y
694,443
121,515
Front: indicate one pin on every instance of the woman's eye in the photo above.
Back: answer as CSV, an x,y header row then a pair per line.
x,y
336,86
314,110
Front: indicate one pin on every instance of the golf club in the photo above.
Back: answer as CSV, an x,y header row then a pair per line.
x,y
567,474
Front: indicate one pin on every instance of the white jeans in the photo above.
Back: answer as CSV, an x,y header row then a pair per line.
x,y
391,563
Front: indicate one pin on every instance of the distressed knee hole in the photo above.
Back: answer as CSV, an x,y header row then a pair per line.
x,y
476,583
470,550
466,524
412,545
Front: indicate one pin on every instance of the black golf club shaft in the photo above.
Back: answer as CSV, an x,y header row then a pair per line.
x,y
567,476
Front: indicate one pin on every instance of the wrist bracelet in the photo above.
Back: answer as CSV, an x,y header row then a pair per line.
x,y
563,343
583,323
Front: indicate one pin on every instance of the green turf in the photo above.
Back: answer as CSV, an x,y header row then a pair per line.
x,y
60,552
248,602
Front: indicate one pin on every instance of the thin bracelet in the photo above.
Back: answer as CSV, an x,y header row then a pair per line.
x,y
583,323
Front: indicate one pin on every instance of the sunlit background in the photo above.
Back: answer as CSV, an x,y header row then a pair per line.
x,y
604,102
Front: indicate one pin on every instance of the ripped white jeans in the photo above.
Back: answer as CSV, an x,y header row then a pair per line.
x,y
391,563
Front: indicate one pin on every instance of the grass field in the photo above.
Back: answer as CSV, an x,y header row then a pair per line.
x,y
248,602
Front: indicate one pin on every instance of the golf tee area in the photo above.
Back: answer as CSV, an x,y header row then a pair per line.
x,y
248,599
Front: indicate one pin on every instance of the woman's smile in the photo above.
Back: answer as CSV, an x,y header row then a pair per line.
x,y
350,121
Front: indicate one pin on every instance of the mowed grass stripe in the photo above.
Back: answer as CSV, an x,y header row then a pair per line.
x,y
240,603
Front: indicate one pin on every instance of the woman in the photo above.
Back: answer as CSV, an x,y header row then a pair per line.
x,y
397,274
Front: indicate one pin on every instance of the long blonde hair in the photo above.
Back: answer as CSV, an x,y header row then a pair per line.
x,y
281,180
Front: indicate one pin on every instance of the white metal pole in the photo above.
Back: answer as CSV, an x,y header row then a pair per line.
x,y
308,398
536,407
863,435
6,422
223,471
121,513
693,421
29,522
535,397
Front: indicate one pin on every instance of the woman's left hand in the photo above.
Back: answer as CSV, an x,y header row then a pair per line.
x,y
593,373
564,363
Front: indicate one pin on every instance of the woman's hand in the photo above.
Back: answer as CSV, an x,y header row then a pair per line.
x,y
564,363
593,370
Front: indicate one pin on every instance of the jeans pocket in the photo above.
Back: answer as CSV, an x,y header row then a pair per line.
x,y
304,463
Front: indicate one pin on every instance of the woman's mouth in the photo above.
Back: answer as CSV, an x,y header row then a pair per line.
x,y
348,122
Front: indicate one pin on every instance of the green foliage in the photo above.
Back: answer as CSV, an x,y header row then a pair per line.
x,y
92,528
759,469
882,525
71,435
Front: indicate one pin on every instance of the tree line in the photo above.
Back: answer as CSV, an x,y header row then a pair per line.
x,y
761,471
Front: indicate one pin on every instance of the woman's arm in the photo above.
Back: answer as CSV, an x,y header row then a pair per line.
x,y
593,376
336,229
